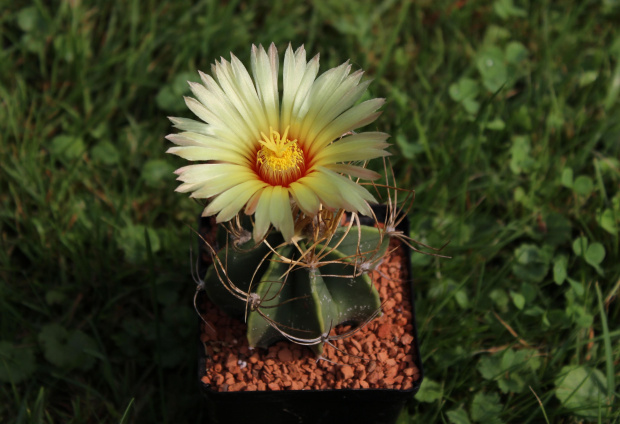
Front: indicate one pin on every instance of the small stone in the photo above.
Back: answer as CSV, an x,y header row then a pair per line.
x,y
237,387
374,377
391,372
384,330
406,339
231,361
347,372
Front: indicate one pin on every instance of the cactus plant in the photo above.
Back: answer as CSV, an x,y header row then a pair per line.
x,y
282,169
298,291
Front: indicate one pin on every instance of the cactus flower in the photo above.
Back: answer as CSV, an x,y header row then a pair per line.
x,y
265,151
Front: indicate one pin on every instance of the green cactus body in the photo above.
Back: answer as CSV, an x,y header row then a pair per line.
x,y
307,301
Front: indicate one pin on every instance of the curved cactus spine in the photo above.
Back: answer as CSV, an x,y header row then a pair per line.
x,y
395,213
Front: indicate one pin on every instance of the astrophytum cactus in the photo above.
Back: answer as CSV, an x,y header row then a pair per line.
x,y
300,290
281,170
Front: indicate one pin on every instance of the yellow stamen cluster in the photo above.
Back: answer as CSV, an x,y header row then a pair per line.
x,y
280,161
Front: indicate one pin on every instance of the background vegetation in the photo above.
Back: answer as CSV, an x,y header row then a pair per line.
x,y
504,116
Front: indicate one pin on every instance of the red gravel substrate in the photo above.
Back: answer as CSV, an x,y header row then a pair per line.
x,y
380,356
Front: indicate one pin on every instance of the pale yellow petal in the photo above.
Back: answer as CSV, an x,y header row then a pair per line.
x,y
190,125
292,73
252,203
325,190
194,153
261,216
354,171
357,116
200,110
208,180
362,146
265,71
323,88
281,214
350,156
336,191
204,172
213,142
220,184
298,111
223,113
218,128
342,100
237,84
187,187
216,90
305,198
230,202
353,193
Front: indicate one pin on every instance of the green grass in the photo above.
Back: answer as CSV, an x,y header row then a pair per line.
x,y
505,118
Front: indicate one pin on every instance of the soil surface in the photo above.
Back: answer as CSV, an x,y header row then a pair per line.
x,y
379,356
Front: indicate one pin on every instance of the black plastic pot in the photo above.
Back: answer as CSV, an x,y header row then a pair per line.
x,y
377,406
